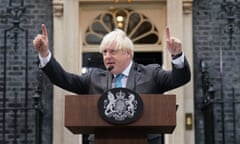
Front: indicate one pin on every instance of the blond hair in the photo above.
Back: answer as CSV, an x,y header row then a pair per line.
x,y
118,37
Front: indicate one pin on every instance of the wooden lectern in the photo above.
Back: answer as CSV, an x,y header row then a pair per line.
x,y
82,117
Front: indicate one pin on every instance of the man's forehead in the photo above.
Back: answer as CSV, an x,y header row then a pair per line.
x,y
110,45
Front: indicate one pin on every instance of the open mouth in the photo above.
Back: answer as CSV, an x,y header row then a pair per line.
x,y
110,64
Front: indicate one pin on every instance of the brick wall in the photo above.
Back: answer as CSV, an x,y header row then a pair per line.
x,y
211,23
19,71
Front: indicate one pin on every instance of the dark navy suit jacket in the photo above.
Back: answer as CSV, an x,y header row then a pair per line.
x,y
151,79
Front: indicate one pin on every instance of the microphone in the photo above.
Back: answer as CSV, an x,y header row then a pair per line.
x,y
110,68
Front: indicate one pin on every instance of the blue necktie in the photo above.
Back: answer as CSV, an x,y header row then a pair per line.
x,y
119,80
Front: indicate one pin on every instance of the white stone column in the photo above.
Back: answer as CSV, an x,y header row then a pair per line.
x,y
67,52
58,53
175,23
188,48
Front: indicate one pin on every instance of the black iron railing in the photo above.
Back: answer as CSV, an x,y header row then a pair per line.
x,y
220,99
18,109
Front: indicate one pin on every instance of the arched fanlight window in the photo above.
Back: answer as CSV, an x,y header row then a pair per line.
x,y
137,26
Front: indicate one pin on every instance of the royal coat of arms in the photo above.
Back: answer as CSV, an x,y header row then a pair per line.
x,y
120,106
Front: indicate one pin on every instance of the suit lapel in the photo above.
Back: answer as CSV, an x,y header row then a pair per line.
x,y
109,80
106,80
133,77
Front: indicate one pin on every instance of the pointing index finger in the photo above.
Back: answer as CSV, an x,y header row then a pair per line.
x,y
44,30
168,33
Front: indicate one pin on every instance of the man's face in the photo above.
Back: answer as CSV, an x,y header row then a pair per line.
x,y
116,58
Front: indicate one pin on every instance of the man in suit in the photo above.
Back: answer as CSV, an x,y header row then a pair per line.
x,y
117,51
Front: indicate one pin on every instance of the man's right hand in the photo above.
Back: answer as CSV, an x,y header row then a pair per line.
x,y
40,42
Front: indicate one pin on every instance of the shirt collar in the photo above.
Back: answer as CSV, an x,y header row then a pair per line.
x,y
127,70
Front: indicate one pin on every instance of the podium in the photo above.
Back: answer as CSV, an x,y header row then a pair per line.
x,y
158,116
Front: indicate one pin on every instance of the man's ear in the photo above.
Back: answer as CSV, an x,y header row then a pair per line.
x,y
129,52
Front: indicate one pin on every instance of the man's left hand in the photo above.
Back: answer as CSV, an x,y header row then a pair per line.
x,y
174,45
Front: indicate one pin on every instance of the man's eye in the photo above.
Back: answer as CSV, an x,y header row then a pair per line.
x,y
113,51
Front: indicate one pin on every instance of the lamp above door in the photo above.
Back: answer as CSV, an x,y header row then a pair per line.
x,y
116,1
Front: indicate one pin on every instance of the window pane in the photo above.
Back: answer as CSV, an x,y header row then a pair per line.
x,y
138,27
